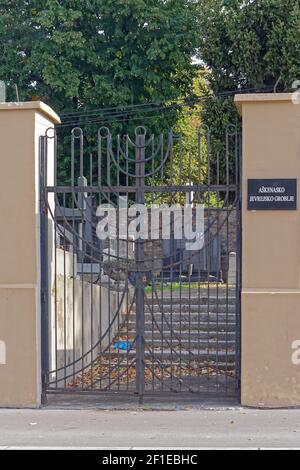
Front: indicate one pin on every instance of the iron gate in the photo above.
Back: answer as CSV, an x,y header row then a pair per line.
x,y
140,313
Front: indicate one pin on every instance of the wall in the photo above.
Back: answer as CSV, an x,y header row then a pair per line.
x,y
86,317
271,255
21,124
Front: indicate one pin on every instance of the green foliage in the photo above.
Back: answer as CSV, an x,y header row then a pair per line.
x,y
246,44
77,54
89,54
182,164
188,160
250,43
84,54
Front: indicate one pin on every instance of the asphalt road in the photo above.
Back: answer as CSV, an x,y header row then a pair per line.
x,y
196,428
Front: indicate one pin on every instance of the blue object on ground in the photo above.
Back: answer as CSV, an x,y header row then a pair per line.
x,y
123,345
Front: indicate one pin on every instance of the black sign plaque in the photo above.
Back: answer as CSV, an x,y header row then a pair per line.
x,y
272,194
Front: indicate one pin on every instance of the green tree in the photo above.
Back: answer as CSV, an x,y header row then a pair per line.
x,y
78,54
246,44
187,162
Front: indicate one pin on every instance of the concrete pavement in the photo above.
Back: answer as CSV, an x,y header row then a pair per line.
x,y
197,428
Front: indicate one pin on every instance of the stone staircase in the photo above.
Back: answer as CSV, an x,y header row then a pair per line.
x,y
186,329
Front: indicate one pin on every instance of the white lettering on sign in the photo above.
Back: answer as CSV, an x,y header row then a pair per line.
x,y
270,194
296,353
272,189
272,199
2,353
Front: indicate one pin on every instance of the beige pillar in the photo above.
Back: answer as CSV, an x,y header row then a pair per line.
x,y
271,256
21,125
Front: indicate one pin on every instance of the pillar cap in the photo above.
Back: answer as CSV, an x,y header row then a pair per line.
x,y
255,98
38,106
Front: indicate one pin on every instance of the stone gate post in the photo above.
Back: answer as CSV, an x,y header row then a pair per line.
x,y
271,250
21,125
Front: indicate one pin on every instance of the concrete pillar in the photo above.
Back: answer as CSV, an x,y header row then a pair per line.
x,y
21,125
271,256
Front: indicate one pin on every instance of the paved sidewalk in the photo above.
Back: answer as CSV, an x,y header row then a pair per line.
x,y
224,428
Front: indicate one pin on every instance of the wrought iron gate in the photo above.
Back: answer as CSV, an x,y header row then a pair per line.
x,y
140,314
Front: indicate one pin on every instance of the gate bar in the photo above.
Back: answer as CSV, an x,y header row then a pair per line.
x,y
140,295
44,269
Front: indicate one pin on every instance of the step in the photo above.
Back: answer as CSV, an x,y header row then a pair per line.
x,y
187,326
187,308
190,344
191,300
168,317
187,316
156,364
183,335
204,356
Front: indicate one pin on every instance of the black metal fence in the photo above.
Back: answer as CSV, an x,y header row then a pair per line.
x,y
140,314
